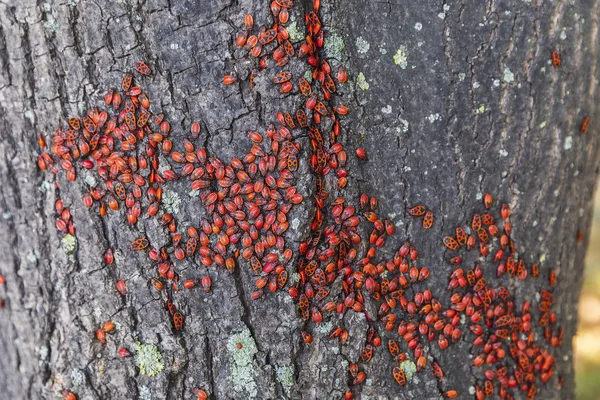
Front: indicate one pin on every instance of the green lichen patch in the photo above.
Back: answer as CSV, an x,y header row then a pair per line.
x,y
334,45
51,25
285,376
90,180
324,328
69,242
77,377
296,34
171,202
362,46
509,76
404,124
31,256
401,58
145,393
480,110
361,81
43,352
242,348
118,257
294,278
45,187
148,359
410,368
30,115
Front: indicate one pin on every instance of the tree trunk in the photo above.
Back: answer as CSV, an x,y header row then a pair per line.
x,y
450,101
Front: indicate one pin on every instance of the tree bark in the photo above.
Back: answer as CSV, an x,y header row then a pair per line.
x,y
450,101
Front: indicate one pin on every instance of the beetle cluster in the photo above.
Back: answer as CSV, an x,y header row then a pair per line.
x,y
108,326
421,211
332,277
331,256
503,332
247,202
108,145
64,222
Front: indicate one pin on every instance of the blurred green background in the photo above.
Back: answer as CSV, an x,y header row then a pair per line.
x,y
587,341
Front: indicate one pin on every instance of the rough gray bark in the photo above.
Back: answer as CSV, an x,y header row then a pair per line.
x,y
470,104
